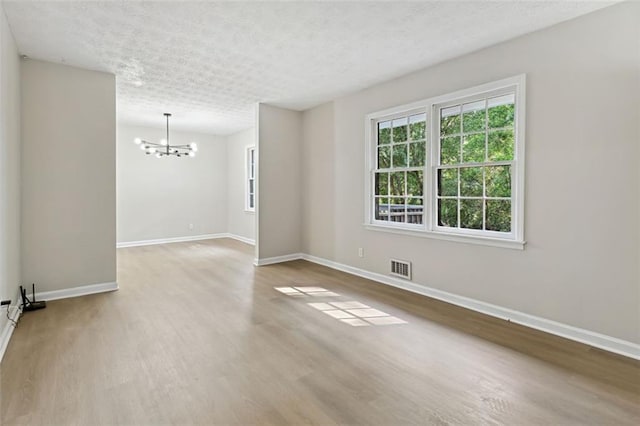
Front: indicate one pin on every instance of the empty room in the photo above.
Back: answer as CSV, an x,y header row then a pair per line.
x,y
312,212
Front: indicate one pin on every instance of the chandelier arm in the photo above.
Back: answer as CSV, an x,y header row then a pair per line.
x,y
151,143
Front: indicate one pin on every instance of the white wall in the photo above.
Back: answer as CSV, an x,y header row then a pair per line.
x,y
239,221
68,176
580,265
160,197
279,205
9,167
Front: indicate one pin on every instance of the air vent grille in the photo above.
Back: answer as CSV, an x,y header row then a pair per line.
x,y
401,268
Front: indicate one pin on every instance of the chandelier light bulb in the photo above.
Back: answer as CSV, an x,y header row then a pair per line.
x,y
143,147
158,155
137,141
193,146
151,150
192,154
163,142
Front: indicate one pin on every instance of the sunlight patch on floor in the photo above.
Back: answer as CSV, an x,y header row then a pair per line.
x,y
356,314
306,291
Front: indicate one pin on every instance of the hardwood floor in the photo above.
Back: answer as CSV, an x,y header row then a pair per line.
x,y
197,335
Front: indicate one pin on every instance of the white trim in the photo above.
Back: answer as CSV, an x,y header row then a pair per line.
x,y
241,239
84,290
171,240
445,236
278,259
602,341
7,330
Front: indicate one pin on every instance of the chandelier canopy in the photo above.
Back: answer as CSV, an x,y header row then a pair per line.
x,y
164,148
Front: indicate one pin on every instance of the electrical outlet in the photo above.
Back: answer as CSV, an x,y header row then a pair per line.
x,y
191,226
360,252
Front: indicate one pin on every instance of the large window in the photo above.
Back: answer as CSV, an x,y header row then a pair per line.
x,y
451,167
250,203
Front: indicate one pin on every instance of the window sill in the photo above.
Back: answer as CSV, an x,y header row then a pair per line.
x,y
468,239
250,211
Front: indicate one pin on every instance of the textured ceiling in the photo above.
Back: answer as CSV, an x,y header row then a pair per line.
x,y
209,62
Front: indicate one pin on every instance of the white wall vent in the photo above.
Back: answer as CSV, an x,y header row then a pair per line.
x,y
401,268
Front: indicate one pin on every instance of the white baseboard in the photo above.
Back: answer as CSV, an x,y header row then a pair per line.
x,y
242,239
6,331
171,240
598,340
84,290
185,239
278,259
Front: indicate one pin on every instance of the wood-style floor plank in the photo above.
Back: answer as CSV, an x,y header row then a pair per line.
x,y
198,335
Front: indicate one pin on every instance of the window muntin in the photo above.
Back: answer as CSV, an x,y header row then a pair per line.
x,y
399,172
472,166
251,179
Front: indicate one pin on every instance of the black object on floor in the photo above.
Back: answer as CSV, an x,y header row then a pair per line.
x,y
31,305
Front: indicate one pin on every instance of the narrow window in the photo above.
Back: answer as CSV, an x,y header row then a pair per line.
x,y
251,179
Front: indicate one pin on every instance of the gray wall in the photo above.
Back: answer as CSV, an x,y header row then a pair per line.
x,y
318,182
9,166
239,221
68,176
160,197
580,265
279,205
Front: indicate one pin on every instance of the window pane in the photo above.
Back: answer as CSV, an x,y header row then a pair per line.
x,y
450,150
501,111
498,181
384,132
414,183
498,215
384,157
448,182
251,181
251,202
417,126
473,115
416,154
397,183
400,130
501,145
450,120
471,214
382,181
399,155
473,148
448,213
397,210
382,208
414,210
471,182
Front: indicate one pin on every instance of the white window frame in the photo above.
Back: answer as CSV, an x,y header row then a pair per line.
x,y
250,175
429,227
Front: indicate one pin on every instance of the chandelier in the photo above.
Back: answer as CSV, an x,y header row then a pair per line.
x,y
164,149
